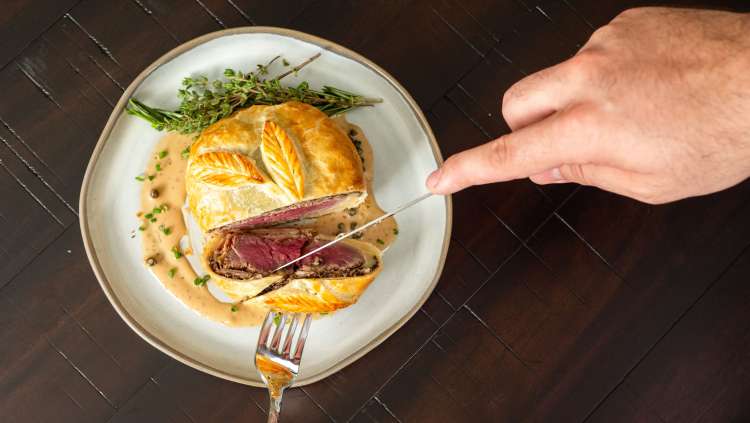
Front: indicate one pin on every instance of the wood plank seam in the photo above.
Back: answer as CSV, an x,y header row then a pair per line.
x,y
458,33
453,314
101,47
28,147
48,94
151,15
304,391
385,407
105,72
10,60
83,77
241,12
13,277
533,253
32,195
667,331
593,249
104,49
177,405
80,372
472,379
579,14
429,338
211,14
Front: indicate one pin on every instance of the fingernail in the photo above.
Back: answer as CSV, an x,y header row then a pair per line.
x,y
555,175
433,179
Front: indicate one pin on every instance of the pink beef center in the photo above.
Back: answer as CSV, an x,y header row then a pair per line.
x,y
265,254
338,256
289,214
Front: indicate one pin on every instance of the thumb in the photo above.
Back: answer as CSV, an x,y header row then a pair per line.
x,y
608,178
528,151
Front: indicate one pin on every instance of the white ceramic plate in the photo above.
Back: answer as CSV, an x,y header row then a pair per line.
x,y
405,152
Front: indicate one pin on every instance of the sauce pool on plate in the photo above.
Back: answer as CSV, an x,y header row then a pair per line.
x,y
162,227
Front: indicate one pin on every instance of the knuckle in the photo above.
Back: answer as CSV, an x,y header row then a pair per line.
x,y
579,121
500,151
575,173
586,67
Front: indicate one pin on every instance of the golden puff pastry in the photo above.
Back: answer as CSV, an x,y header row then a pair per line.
x,y
241,264
270,164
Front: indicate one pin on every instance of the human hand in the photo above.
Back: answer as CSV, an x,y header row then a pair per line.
x,y
655,106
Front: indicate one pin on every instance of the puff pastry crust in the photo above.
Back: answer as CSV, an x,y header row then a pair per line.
x,y
269,157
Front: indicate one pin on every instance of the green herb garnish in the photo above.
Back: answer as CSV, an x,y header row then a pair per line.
x,y
163,154
234,308
277,320
140,178
165,229
176,251
203,102
149,215
380,241
395,231
142,228
185,153
172,272
158,167
151,177
200,281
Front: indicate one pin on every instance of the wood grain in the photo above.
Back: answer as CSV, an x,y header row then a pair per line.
x,y
556,303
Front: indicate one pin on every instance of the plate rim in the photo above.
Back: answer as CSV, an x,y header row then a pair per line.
x,y
154,340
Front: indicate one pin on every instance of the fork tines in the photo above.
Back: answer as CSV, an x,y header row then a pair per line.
x,y
283,325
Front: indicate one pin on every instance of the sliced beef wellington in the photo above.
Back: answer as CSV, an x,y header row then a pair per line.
x,y
269,165
243,263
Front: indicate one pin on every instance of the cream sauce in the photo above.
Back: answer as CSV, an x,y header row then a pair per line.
x,y
161,236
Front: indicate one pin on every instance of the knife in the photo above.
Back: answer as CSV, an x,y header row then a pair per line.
x,y
359,229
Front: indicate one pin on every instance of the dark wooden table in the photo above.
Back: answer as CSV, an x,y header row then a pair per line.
x,y
556,304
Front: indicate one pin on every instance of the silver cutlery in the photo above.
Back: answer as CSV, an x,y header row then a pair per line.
x,y
277,362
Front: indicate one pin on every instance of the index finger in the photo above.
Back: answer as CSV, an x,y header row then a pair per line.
x,y
564,137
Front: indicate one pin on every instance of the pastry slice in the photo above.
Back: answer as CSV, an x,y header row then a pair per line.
x,y
268,165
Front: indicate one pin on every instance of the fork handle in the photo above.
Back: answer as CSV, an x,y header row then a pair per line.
x,y
274,406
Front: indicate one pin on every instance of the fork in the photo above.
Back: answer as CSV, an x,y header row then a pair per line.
x,y
275,362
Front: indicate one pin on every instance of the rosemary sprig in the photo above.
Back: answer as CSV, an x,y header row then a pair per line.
x,y
203,102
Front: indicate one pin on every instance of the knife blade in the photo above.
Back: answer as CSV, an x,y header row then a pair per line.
x,y
359,229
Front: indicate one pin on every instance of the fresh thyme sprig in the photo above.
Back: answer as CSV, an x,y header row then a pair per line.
x,y
203,102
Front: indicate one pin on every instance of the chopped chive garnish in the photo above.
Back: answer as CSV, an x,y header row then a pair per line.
x,y
163,154
277,320
185,153
158,167
152,220
142,228
380,241
140,178
234,308
199,281
395,231
149,215
172,272
151,177
165,229
177,253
